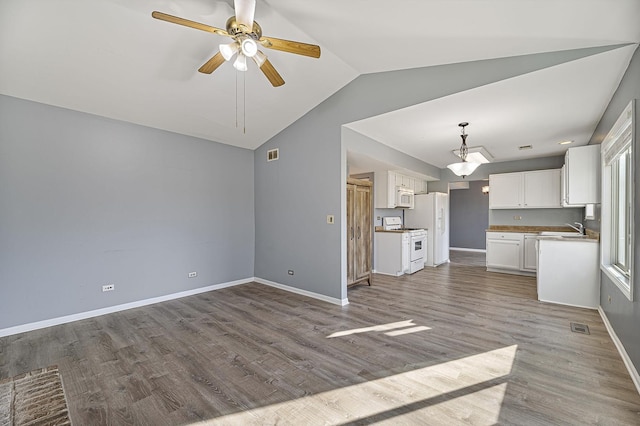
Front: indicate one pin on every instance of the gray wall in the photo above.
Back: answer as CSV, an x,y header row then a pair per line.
x,y
536,217
623,314
469,216
295,193
87,201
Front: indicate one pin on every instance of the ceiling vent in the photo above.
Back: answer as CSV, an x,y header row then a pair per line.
x,y
273,154
523,147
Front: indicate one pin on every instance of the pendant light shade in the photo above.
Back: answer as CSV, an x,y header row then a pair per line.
x,y
463,168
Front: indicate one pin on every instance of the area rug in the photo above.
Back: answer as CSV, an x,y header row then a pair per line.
x,y
34,398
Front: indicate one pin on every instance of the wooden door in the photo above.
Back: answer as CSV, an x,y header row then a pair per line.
x,y
350,233
362,221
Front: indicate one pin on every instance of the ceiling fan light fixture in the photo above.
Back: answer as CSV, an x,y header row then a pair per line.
x,y
259,58
240,63
249,47
228,50
464,168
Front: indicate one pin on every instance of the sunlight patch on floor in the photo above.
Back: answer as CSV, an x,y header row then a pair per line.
x,y
379,328
469,390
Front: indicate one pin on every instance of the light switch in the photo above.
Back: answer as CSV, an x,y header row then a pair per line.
x,y
330,219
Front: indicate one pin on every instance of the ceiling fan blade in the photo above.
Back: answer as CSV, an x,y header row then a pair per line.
x,y
245,12
296,47
188,23
272,75
212,64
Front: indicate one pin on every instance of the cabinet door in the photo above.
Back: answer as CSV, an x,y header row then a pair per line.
x,y
405,181
542,189
421,186
504,252
362,223
529,261
583,175
505,191
350,233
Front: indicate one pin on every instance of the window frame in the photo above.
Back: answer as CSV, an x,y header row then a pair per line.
x,y
617,148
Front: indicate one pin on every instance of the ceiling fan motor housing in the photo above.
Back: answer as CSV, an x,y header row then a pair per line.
x,y
235,29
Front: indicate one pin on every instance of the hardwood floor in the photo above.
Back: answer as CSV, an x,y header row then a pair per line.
x,y
447,345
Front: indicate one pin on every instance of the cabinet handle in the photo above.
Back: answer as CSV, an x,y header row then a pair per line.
x,y
352,234
359,233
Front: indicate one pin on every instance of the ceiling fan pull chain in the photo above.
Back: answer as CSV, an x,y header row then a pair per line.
x,y
244,103
236,73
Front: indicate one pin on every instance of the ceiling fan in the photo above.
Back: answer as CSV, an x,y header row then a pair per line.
x,y
246,35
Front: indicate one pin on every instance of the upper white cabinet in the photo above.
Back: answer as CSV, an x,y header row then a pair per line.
x,y
542,189
581,176
385,187
505,191
538,189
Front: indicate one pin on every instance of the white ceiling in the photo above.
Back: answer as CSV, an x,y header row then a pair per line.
x,y
110,58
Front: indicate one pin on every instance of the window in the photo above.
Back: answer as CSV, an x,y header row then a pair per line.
x,y
617,202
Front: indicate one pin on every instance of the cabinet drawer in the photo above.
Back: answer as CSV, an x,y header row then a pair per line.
x,y
504,236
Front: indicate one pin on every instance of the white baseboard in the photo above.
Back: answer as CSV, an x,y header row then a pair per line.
x,y
623,352
468,249
318,296
116,308
137,304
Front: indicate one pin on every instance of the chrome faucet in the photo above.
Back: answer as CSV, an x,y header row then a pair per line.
x,y
579,228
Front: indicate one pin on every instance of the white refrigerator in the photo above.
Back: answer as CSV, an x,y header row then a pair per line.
x,y
431,212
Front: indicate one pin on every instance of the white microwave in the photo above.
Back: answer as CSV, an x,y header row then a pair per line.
x,y
404,198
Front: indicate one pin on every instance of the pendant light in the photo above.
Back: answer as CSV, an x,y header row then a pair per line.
x,y
463,168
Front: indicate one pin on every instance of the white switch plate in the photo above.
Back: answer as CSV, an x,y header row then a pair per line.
x,y
331,219
193,274
108,287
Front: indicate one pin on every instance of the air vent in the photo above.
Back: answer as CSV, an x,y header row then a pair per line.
x,y
525,147
273,154
579,328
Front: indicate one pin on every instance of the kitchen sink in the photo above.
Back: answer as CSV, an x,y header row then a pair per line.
x,y
562,234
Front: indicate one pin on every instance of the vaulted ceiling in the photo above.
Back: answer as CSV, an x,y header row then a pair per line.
x,y
111,58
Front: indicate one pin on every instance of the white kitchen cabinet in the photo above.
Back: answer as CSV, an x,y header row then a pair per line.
x,y
538,189
581,176
405,181
542,189
504,251
569,272
529,255
511,253
506,191
420,186
385,187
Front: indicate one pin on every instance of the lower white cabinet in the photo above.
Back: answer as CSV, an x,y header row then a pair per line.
x,y
511,252
529,255
504,250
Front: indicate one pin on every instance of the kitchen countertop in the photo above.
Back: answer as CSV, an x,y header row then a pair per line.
x,y
398,231
590,235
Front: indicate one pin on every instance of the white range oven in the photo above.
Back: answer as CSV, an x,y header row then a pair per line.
x,y
398,250
417,249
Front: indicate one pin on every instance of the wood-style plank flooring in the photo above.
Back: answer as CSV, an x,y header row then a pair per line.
x,y
445,346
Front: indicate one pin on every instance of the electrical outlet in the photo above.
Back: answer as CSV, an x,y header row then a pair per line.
x,y
517,218
108,287
609,298
331,219
290,271
193,274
